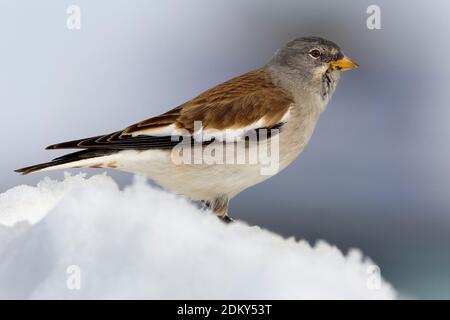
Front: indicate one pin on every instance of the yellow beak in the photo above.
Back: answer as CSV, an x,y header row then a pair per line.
x,y
343,64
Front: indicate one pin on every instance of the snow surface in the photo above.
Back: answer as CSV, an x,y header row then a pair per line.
x,y
145,243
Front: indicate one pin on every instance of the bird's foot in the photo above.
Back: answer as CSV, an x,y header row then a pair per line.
x,y
226,219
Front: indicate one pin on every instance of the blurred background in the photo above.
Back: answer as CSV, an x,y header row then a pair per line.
x,y
376,174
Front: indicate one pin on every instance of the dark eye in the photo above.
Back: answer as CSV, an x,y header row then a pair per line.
x,y
314,53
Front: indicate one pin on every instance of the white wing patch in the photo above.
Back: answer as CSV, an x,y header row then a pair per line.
x,y
169,130
286,116
231,134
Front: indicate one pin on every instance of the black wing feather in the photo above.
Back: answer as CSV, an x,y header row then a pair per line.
x,y
118,141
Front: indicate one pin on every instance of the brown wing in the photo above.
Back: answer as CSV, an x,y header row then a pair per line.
x,y
249,99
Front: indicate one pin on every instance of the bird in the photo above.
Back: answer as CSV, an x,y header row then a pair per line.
x,y
279,102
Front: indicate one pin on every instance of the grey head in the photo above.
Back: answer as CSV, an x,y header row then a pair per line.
x,y
310,64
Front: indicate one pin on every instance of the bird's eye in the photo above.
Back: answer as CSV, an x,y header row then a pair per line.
x,y
315,53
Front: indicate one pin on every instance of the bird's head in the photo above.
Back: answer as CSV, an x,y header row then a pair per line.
x,y
313,62
313,53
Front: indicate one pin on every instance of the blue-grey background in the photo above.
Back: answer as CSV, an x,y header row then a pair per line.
x,y
376,174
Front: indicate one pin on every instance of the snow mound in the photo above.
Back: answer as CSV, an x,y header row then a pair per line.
x,y
86,238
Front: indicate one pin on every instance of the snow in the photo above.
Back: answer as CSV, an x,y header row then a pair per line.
x,y
86,238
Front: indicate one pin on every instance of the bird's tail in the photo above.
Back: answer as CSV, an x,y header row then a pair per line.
x,y
84,158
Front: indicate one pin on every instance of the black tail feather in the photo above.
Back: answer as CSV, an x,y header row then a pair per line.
x,y
71,157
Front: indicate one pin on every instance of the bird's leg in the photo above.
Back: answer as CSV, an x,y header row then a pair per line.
x,y
219,206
